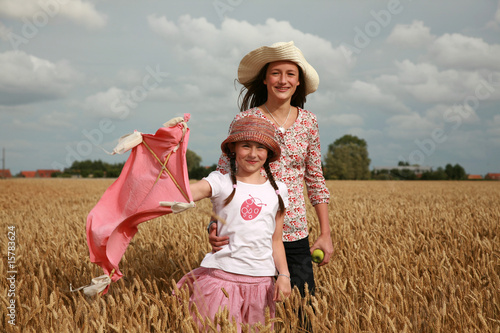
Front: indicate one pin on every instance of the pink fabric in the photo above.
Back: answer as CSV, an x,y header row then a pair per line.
x,y
247,296
134,197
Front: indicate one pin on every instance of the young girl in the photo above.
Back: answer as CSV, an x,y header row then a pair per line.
x,y
241,276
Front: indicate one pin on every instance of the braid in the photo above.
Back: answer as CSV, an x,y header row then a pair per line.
x,y
232,163
274,185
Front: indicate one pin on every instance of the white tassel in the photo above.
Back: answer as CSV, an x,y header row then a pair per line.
x,y
174,121
97,285
177,207
125,143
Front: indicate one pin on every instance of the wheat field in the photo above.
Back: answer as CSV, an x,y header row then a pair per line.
x,y
408,257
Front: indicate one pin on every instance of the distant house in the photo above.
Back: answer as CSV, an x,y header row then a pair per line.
x,y
5,173
494,176
472,177
45,173
28,174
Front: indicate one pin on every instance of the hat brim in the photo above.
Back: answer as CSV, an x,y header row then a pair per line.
x,y
253,62
271,145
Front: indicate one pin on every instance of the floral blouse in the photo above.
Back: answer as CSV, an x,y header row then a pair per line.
x,y
300,161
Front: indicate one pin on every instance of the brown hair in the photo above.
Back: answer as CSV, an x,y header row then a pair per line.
x,y
256,93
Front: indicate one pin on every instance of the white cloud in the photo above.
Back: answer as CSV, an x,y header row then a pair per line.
x,y
129,77
451,117
371,94
493,128
495,22
4,32
162,26
426,83
40,12
219,50
347,120
142,70
497,13
415,35
409,126
111,103
323,99
163,94
27,79
47,122
58,119
459,51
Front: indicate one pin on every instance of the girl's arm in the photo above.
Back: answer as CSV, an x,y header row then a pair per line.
x,y
218,241
318,192
282,284
200,190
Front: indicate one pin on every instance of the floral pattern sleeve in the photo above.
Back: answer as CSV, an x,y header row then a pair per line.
x,y
315,181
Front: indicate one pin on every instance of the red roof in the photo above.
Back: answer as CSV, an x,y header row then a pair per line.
x,y
5,173
474,177
28,174
493,176
45,173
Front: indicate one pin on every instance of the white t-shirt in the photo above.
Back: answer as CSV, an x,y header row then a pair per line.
x,y
250,224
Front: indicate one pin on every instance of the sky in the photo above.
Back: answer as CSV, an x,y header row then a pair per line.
x,y
419,81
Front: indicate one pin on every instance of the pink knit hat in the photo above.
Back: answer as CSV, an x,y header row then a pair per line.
x,y
255,129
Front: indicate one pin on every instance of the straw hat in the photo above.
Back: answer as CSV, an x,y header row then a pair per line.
x,y
253,62
255,129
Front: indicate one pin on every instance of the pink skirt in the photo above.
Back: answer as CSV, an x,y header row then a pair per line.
x,y
246,297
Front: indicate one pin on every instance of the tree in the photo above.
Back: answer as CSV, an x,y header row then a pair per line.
x,y
448,169
193,160
347,158
404,174
97,169
195,170
439,174
455,172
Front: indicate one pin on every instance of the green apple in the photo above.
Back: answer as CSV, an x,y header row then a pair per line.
x,y
317,256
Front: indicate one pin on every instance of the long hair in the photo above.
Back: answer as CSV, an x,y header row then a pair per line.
x,y
275,186
270,177
256,92
232,164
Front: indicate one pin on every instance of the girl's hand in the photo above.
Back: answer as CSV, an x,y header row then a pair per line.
x,y
215,240
282,287
324,242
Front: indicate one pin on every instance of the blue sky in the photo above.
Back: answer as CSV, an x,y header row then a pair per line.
x,y
418,80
